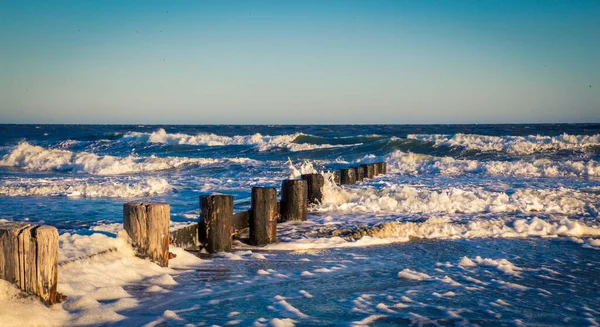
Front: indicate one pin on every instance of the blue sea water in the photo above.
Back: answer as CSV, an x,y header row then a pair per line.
x,y
491,224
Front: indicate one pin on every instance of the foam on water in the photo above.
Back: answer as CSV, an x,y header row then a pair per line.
x,y
80,187
260,142
37,158
419,164
512,144
442,228
399,198
94,285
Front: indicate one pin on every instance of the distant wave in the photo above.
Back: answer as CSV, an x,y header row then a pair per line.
x,y
260,142
419,164
37,158
84,188
512,144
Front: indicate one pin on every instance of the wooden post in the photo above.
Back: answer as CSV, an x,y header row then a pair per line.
x,y
359,173
315,184
383,167
185,237
294,200
147,223
376,171
263,216
368,168
348,176
215,222
29,258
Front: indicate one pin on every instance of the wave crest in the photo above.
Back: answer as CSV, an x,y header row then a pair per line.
x,y
418,164
82,188
37,158
260,142
519,145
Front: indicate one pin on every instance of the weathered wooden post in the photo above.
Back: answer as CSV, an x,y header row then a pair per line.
x,y
315,184
147,224
348,176
376,171
294,200
215,222
359,173
263,216
368,168
383,168
29,258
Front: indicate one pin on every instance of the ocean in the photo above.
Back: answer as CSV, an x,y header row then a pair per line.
x,y
473,225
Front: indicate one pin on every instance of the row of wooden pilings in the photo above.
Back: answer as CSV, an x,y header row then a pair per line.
x,y
29,253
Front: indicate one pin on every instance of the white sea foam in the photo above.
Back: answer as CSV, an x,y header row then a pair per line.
x,y
396,198
412,275
94,285
441,228
503,265
419,164
37,158
78,187
512,144
261,142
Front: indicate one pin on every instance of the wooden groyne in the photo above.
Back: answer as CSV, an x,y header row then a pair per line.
x,y
261,220
29,253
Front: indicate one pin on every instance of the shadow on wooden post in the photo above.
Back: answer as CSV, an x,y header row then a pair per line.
x,y
348,176
294,200
263,216
214,226
315,184
147,224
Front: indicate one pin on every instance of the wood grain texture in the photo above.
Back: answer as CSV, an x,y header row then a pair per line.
x,y
263,216
29,259
294,200
215,222
147,224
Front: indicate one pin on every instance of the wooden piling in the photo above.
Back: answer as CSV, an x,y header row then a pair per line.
x,y
348,176
368,169
263,216
315,184
215,222
147,224
29,259
381,168
294,200
376,171
359,173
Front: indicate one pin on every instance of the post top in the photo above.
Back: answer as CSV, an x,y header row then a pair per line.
x,y
216,196
13,225
140,203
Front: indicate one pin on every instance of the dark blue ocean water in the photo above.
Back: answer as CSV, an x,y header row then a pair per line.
x,y
525,193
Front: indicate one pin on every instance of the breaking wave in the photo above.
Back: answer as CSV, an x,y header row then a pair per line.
x,y
419,164
519,145
83,188
37,158
260,142
407,199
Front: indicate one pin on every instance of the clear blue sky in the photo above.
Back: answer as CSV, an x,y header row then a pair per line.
x,y
203,62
